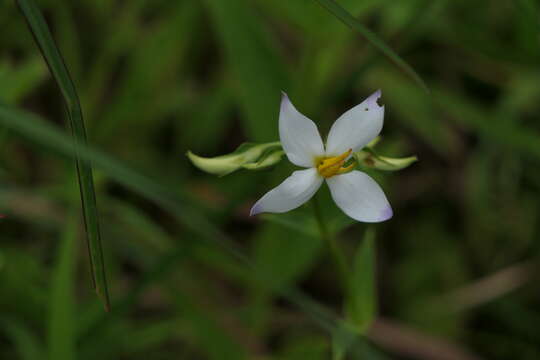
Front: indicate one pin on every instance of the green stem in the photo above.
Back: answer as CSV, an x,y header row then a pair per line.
x,y
337,254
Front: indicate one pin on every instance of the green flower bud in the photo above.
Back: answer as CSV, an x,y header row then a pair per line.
x,y
248,156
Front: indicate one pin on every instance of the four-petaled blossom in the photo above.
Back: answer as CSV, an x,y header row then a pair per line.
x,y
357,194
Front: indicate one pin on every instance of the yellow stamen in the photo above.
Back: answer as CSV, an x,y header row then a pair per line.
x,y
331,166
345,170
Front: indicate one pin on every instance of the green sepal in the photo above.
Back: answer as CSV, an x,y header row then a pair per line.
x,y
270,158
373,142
367,157
250,156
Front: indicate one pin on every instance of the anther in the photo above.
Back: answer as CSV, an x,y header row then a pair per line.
x,y
331,166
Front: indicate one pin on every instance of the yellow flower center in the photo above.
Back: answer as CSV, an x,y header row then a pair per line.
x,y
330,166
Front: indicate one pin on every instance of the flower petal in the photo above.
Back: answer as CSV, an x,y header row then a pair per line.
x,y
360,197
356,127
290,194
299,135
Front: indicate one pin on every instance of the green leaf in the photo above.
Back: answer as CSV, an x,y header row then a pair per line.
x,y
347,342
61,331
58,69
342,339
368,158
248,156
361,304
349,20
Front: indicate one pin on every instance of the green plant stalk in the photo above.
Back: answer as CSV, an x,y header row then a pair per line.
x,y
337,254
53,58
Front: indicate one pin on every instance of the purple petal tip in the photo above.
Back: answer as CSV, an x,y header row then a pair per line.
x,y
372,99
387,214
256,209
285,101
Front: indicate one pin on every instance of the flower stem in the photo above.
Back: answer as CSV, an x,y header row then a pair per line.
x,y
337,254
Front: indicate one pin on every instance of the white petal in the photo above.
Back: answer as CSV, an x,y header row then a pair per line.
x,y
357,127
290,194
360,197
299,135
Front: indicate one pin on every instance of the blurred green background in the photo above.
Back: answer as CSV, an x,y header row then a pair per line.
x,y
456,265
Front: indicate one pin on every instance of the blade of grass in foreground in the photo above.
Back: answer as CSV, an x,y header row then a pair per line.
x,y
345,17
58,69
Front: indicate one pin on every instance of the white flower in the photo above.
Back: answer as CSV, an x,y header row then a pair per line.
x,y
357,194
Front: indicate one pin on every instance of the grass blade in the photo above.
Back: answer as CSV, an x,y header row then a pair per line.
x,y
345,17
58,69
361,303
61,334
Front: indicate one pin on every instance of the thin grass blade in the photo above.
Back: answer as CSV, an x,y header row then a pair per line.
x,y
361,304
345,17
58,69
61,326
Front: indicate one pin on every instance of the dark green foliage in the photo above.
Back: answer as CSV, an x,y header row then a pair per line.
x,y
191,275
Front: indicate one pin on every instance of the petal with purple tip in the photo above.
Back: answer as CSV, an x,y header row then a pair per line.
x,y
360,197
356,127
